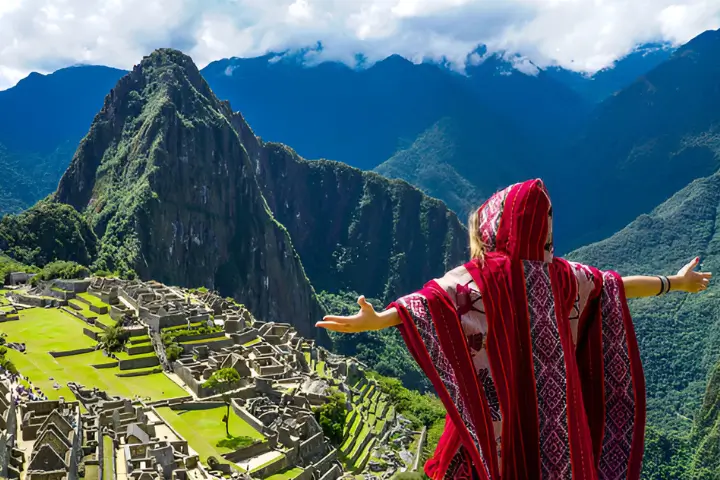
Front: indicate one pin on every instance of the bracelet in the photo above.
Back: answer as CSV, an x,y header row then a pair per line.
x,y
664,285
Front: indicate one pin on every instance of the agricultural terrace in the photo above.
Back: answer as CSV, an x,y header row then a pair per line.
x,y
45,330
364,426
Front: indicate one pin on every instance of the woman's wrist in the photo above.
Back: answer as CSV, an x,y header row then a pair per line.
x,y
389,318
677,283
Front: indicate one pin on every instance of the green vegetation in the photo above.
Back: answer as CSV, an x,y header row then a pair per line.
x,y
5,362
61,332
382,238
331,417
45,233
9,265
170,335
173,352
60,269
235,443
287,474
204,429
224,379
114,338
422,409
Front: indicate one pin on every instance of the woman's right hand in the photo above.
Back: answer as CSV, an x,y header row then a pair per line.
x,y
365,320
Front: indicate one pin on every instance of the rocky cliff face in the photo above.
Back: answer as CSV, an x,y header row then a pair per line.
x,y
170,191
358,231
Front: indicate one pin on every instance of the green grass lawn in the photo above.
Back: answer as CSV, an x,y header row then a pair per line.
x,y
140,339
45,330
204,428
93,300
288,474
85,311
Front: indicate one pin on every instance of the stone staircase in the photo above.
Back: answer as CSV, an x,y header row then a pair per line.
x,y
156,340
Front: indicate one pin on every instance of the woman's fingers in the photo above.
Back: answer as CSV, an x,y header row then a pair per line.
x,y
335,326
363,303
338,319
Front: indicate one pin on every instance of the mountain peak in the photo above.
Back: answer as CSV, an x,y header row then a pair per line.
x,y
164,179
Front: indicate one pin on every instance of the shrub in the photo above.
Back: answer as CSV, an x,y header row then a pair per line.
x,y
235,443
224,378
173,352
61,269
114,338
331,417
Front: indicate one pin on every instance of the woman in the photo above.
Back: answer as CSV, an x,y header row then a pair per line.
x,y
534,357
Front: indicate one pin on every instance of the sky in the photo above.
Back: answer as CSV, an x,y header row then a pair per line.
x,y
583,35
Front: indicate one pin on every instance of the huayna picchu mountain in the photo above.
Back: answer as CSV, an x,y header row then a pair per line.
x,y
174,184
169,189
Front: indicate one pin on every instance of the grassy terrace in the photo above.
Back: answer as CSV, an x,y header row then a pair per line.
x,y
93,300
370,421
44,330
85,311
139,340
204,428
288,474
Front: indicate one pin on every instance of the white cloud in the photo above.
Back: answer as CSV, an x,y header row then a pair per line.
x,y
587,35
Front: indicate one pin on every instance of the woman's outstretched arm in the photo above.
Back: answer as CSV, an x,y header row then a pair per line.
x,y
686,280
366,319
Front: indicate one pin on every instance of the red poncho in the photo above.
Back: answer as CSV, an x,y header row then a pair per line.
x,y
534,357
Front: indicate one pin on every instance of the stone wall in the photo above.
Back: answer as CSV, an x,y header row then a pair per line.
x,y
215,345
35,475
313,446
68,353
186,338
247,452
77,286
273,468
326,462
246,336
140,349
332,474
90,333
247,416
143,362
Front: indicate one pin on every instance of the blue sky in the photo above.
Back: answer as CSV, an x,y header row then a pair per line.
x,y
587,35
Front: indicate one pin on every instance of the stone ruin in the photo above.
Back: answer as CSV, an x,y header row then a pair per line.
x,y
276,394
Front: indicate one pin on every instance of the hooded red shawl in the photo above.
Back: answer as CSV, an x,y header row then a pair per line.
x,y
534,357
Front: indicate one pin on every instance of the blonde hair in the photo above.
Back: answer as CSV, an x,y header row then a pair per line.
x,y
477,246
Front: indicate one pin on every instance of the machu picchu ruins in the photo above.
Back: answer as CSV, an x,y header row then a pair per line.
x,y
124,379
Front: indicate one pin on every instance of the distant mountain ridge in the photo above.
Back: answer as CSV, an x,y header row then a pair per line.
x,y
45,116
642,145
175,186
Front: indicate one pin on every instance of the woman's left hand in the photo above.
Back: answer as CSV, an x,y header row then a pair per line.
x,y
690,280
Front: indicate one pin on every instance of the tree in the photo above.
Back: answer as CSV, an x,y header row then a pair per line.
x,y
226,418
114,338
224,379
331,417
